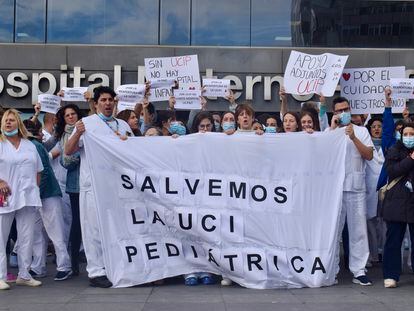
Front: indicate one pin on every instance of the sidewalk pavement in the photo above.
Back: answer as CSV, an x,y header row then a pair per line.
x,y
75,294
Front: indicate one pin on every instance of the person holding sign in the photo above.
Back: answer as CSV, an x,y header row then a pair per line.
x,y
102,123
20,168
359,150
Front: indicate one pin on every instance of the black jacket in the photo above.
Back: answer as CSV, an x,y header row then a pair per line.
x,y
398,204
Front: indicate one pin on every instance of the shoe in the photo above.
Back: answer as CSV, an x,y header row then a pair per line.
x,y
390,283
30,282
11,278
226,282
207,280
63,275
4,285
13,260
100,281
37,275
191,281
362,280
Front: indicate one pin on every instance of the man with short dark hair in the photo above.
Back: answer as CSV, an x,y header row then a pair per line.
x,y
101,123
359,150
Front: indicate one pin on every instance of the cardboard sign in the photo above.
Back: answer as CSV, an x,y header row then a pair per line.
x,y
309,74
74,94
402,88
216,87
187,99
364,88
49,103
130,93
183,69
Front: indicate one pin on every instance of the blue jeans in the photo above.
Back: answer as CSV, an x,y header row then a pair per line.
x,y
392,261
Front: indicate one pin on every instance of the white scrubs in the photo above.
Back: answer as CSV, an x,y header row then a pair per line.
x,y
354,204
60,174
91,236
19,168
373,170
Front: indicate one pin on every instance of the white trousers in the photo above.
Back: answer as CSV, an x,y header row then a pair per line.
x,y
354,212
50,216
91,235
25,220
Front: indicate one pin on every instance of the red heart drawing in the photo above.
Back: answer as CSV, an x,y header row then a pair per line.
x,y
346,76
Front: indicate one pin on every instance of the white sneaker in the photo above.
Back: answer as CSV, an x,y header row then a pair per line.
x,y
30,282
226,282
390,283
4,285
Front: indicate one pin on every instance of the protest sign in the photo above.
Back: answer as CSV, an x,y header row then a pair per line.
x,y
183,69
364,88
74,94
402,88
308,74
187,99
125,106
211,206
162,83
130,93
216,87
49,103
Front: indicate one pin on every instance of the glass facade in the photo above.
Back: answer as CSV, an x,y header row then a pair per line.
x,y
284,23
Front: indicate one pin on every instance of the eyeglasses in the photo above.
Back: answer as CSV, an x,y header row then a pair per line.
x,y
205,126
342,110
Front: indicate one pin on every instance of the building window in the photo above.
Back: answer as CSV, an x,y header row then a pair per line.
x,y
103,21
175,22
271,23
6,20
30,21
220,22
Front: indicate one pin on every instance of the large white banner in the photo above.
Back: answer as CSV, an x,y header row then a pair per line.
x,y
364,88
309,74
261,210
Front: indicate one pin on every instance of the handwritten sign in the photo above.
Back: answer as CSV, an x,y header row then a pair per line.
x,y
308,74
183,69
125,106
49,103
187,99
162,83
402,88
130,93
364,88
74,94
216,87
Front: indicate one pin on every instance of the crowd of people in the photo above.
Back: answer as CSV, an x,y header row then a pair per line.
x,y
46,193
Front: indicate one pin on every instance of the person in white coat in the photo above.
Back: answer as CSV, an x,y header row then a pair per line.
x,y
359,150
373,170
20,168
101,123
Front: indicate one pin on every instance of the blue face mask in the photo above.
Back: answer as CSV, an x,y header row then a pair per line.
x,y
270,129
397,135
11,133
345,118
105,118
177,128
408,141
229,126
